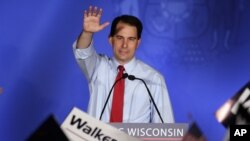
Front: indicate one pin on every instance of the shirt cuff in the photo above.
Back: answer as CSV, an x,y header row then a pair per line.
x,y
83,53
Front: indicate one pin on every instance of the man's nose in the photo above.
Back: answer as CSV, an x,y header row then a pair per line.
x,y
125,43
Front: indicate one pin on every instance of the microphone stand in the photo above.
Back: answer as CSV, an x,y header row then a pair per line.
x,y
132,77
124,76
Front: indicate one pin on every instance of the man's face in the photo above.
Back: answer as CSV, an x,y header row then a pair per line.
x,y
124,42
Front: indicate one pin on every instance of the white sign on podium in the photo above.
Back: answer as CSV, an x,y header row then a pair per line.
x,y
79,126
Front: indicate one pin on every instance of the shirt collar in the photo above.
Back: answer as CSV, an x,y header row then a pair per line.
x,y
128,66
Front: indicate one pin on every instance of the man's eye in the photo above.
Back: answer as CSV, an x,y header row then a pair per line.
x,y
132,39
118,37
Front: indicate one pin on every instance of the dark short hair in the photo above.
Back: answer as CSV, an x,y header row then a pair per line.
x,y
127,19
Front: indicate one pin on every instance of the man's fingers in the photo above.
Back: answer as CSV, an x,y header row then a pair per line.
x,y
85,13
99,13
90,11
95,11
104,25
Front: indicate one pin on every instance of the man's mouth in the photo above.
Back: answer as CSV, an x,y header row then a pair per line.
x,y
122,52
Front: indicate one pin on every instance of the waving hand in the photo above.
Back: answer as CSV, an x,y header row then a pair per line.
x,y
91,24
91,20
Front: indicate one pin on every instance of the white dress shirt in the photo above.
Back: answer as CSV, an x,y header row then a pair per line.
x,y
101,72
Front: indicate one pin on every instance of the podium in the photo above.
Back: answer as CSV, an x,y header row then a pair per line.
x,y
79,126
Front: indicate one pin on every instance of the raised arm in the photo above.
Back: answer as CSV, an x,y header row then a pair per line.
x,y
91,24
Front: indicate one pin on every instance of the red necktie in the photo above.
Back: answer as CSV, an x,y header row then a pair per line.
x,y
118,96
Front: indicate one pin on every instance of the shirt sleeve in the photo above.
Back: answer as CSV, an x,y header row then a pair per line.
x,y
87,59
163,103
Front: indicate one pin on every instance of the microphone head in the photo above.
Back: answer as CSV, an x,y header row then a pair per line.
x,y
125,75
131,77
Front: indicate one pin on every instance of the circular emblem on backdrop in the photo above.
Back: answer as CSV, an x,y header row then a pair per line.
x,y
189,32
175,19
178,24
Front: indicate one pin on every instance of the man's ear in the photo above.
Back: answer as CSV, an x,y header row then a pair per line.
x,y
139,41
110,40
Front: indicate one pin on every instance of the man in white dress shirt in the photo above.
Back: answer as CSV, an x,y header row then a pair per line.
x,y
101,71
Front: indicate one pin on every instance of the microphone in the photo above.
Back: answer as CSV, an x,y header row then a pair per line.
x,y
124,76
132,78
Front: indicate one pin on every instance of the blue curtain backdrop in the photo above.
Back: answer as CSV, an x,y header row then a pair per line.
x,y
201,47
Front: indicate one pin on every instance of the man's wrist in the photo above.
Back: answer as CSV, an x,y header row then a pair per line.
x,y
84,40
